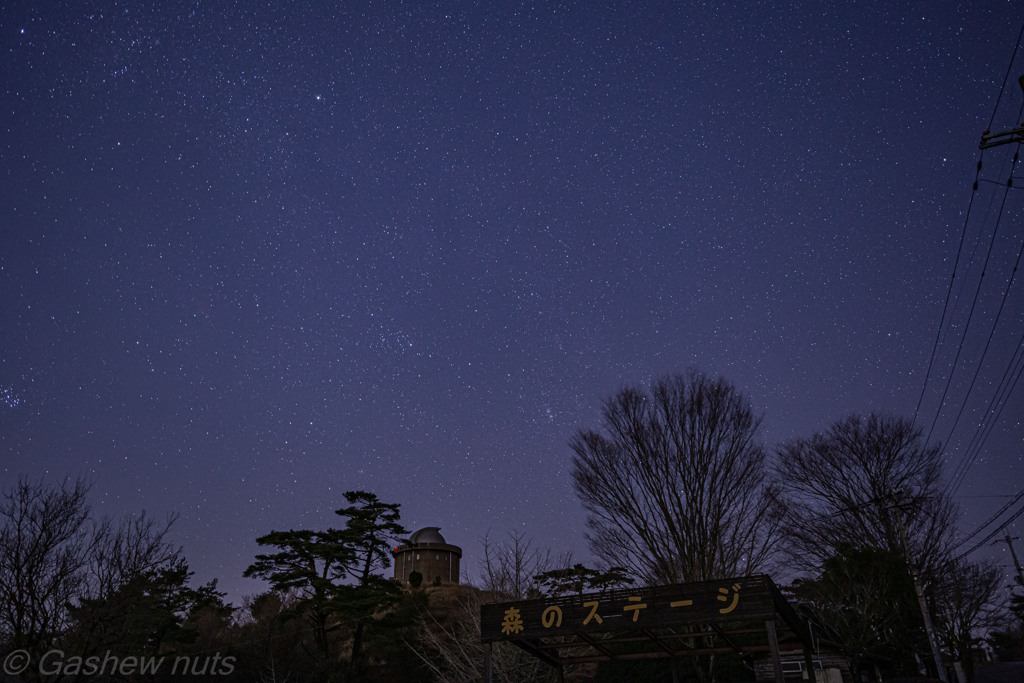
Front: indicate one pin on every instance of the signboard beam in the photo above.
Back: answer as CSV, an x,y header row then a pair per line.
x,y
745,615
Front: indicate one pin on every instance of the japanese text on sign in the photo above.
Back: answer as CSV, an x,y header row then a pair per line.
x,y
625,609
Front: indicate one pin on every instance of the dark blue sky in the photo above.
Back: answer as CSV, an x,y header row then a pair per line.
x,y
253,255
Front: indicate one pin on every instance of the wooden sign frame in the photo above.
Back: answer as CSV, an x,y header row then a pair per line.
x,y
746,615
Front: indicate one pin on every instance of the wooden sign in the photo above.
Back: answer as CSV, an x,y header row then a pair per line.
x,y
631,609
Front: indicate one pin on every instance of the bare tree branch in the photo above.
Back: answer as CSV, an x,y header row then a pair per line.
x,y
675,483
846,487
46,542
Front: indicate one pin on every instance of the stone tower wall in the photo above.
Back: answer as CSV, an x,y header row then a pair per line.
x,y
433,560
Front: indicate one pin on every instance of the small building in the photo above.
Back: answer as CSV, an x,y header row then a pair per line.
x,y
428,554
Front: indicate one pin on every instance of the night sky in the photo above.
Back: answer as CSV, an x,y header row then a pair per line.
x,y
254,255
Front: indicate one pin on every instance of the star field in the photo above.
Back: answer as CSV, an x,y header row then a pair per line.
x,y
255,255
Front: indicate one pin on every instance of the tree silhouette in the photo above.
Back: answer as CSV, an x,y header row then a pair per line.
x,y
850,485
335,571
370,530
674,482
313,563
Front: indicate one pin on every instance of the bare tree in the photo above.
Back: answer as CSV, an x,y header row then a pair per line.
x,y
120,575
449,643
967,605
855,483
508,568
675,482
450,647
55,558
136,545
871,484
46,542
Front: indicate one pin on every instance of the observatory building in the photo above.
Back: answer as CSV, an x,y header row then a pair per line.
x,y
428,554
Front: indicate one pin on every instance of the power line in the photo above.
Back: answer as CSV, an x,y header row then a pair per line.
x,y
974,303
1002,88
982,430
987,140
990,495
949,291
988,343
989,521
991,415
956,268
992,535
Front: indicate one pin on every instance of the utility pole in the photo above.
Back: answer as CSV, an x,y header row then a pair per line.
x,y
1016,563
920,595
990,139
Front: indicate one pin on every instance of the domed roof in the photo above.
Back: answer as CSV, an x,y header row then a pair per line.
x,y
430,534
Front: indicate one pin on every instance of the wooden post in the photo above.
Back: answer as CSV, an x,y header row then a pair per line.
x,y
809,654
488,665
922,603
809,664
773,645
